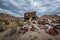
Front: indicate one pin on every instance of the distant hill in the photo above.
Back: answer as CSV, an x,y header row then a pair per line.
x,y
50,17
7,16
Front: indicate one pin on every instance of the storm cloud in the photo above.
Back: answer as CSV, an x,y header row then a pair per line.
x,y
19,7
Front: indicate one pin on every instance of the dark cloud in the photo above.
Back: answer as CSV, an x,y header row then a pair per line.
x,y
19,7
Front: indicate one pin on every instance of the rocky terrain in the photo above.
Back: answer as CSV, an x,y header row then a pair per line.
x,y
10,29
50,17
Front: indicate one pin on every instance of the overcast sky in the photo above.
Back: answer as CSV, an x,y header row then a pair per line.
x,y
19,7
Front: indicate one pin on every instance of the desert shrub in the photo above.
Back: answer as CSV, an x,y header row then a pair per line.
x,y
53,21
19,23
28,21
1,27
0,24
6,22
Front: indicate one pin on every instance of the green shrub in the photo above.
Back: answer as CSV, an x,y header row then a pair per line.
x,y
1,25
19,23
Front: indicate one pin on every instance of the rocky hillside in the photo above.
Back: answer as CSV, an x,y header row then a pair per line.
x,y
7,21
50,17
7,16
11,29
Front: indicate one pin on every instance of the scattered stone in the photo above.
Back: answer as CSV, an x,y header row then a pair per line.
x,y
11,32
53,32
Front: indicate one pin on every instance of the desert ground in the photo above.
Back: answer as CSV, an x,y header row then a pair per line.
x,y
10,34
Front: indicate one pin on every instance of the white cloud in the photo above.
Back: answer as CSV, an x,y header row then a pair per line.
x,y
13,2
42,6
9,12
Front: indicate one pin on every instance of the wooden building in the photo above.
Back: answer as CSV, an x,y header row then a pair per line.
x,y
29,15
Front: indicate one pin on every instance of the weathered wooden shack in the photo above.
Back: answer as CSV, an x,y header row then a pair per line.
x,y
29,15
